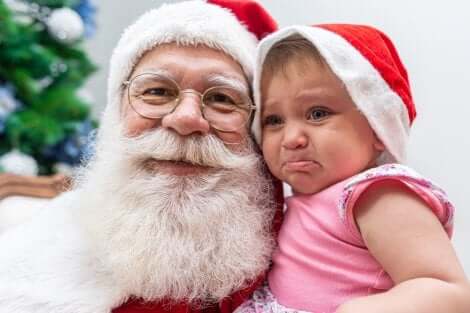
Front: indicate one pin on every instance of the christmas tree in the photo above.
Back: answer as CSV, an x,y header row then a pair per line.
x,y
45,122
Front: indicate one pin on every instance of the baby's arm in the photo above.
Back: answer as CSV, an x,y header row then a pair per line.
x,y
408,240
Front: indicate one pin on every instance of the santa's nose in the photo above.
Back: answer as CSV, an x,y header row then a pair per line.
x,y
187,117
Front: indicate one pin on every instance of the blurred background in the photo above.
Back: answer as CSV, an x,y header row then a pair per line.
x,y
433,40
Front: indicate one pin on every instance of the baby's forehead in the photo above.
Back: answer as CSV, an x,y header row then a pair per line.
x,y
299,84
300,70
301,64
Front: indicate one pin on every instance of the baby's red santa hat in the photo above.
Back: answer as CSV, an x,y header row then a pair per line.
x,y
367,62
231,26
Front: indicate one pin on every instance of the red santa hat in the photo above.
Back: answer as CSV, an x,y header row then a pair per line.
x,y
232,26
368,64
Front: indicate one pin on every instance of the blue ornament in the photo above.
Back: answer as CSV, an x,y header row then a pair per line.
x,y
8,104
87,11
2,126
76,148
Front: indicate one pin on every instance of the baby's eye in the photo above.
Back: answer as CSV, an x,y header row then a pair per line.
x,y
272,121
318,114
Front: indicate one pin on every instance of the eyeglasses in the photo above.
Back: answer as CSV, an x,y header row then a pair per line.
x,y
153,96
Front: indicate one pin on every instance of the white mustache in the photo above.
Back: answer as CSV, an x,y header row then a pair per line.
x,y
208,150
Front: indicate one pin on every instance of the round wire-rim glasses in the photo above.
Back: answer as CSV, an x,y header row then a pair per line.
x,y
225,108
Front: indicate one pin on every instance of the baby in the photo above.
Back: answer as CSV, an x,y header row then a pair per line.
x,y
362,233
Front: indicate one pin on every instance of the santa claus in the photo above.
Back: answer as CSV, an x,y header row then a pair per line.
x,y
174,212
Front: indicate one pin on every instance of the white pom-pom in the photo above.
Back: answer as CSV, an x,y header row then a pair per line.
x,y
65,25
19,163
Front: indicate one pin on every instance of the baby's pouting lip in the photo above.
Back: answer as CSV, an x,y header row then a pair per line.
x,y
298,164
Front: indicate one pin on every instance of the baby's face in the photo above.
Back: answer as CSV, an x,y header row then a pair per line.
x,y
313,134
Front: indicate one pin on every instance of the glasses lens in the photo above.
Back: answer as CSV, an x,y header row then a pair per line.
x,y
226,109
152,95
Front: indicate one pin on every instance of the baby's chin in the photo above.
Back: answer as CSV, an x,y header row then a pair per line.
x,y
307,184
301,182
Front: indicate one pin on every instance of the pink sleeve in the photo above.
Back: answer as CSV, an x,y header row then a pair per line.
x,y
434,196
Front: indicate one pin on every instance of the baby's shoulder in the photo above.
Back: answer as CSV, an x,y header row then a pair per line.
x,y
390,171
433,195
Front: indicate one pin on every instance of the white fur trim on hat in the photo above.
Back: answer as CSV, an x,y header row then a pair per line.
x,y
383,108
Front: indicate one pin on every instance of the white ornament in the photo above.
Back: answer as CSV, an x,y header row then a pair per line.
x,y
16,162
65,25
64,168
17,6
24,9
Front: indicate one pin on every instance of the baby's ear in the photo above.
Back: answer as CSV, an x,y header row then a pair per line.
x,y
378,144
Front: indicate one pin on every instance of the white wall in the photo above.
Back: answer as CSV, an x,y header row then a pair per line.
x,y
433,38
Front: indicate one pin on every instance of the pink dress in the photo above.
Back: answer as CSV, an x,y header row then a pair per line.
x,y
322,261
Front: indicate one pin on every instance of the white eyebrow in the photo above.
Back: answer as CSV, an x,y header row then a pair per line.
x,y
153,70
231,81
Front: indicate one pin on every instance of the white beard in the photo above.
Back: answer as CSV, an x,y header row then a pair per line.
x,y
195,238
